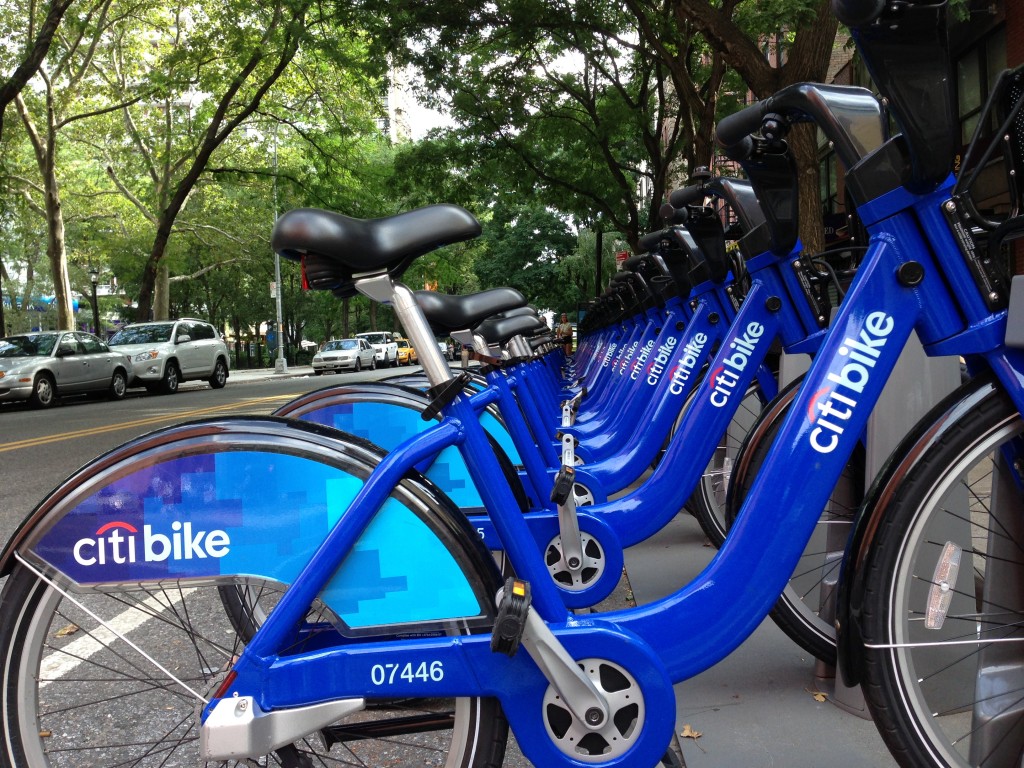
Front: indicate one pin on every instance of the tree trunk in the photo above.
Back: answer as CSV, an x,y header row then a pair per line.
x,y
55,244
345,325
803,144
4,331
162,293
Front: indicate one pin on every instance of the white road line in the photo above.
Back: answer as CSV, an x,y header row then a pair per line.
x,y
64,660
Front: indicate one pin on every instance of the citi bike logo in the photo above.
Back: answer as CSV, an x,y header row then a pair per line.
x,y
120,542
608,354
691,357
661,358
834,405
627,355
723,380
638,366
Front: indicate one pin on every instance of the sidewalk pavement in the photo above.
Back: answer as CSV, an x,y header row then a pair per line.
x,y
759,707
256,374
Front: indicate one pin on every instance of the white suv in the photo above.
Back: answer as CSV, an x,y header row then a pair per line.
x,y
384,346
165,353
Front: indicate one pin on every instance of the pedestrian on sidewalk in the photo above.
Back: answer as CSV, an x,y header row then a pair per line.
x,y
564,332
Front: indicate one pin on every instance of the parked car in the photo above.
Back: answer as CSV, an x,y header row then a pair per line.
x,y
342,354
165,353
41,367
384,345
406,353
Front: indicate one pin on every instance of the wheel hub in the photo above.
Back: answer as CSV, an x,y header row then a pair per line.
x,y
602,741
576,579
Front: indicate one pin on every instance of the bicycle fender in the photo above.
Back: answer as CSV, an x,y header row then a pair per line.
x,y
388,414
256,496
931,429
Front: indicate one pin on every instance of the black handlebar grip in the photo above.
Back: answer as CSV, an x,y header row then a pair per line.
x,y
740,152
680,198
857,13
737,126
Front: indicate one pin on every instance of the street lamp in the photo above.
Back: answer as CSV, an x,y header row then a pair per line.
x,y
94,276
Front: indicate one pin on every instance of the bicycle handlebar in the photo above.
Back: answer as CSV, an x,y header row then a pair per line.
x,y
857,13
734,128
680,198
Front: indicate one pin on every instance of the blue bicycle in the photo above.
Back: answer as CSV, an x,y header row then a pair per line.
x,y
253,591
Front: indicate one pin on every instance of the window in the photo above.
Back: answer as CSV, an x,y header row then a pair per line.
x,y
69,344
203,331
92,346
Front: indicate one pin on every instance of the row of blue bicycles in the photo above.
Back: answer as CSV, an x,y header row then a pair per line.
x,y
396,573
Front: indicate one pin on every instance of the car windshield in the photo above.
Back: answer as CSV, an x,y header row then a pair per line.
x,y
403,343
375,338
332,346
30,345
142,334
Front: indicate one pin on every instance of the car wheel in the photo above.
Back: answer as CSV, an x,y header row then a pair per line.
x,y
359,365
44,391
373,363
169,383
317,372
220,374
118,385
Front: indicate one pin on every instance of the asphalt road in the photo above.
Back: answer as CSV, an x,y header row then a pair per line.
x,y
40,448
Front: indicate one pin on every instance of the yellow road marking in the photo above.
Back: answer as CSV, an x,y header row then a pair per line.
x,y
34,441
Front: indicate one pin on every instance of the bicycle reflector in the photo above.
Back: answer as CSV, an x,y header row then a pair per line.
x,y
941,592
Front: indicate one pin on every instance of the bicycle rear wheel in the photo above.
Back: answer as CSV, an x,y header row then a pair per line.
x,y
943,606
115,672
75,694
708,500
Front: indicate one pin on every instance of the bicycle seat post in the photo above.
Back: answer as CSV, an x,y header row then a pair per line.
x,y
383,289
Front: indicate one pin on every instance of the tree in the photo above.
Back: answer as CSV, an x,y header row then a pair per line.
x,y
611,104
527,245
64,81
38,34
212,95
767,62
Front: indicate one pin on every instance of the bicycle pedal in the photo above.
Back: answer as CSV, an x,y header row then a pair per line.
x,y
511,620
564,481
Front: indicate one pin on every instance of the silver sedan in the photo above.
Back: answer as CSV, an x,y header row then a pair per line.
x,y
344,354
43,366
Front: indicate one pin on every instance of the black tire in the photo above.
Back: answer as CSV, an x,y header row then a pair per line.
x,y
118,385
805,610
708,500
957,700
117,708
359,365
219,377
317,372
44,392
373,363
171,379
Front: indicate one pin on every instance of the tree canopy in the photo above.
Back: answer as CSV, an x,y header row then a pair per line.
x,y
157,142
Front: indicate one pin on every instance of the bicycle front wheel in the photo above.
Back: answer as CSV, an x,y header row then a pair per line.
x,y
943,611
805,610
